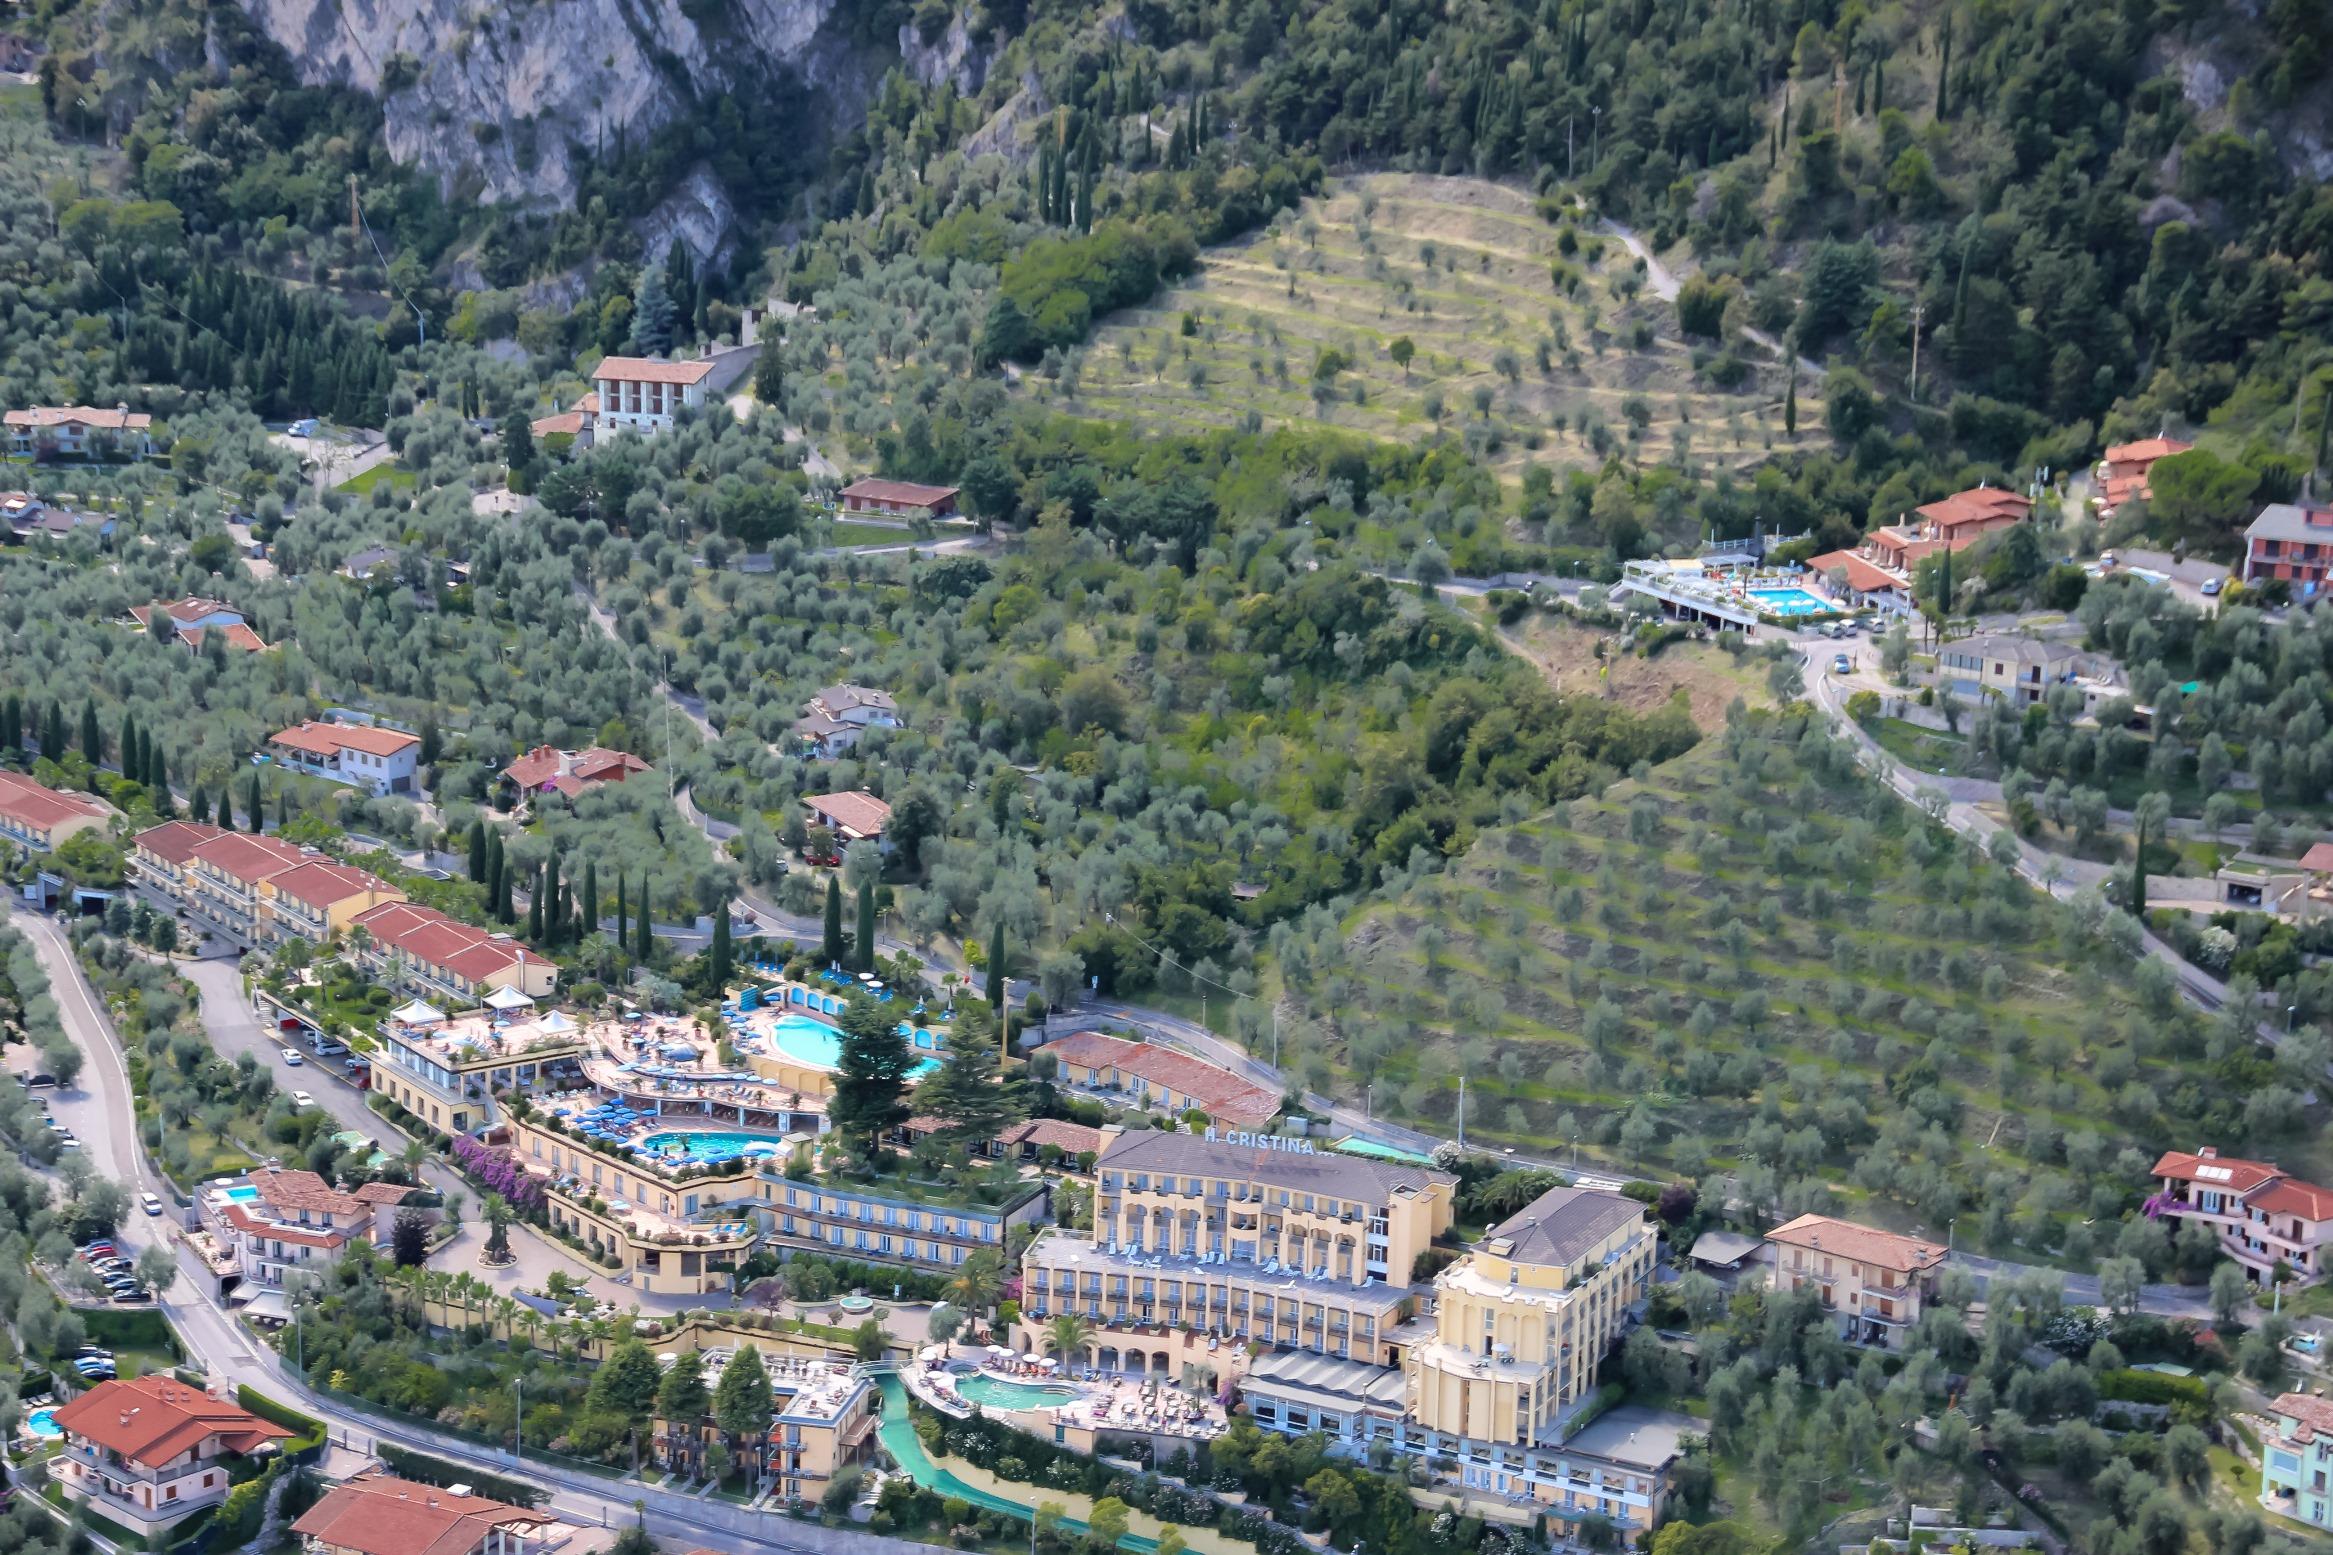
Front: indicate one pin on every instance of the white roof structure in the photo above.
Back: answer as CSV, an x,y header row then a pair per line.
x,y
508,999
417,1014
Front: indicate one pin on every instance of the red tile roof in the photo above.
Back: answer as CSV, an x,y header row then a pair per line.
x,y
174,842
380,1194
443,944
571,771
377,1514
290,1191
909,493
640,369
2220,1171
856,813
39,807
243,1220
1977,505
2146,450
2290,1196
1223,1095
156,1419
2314,1414
330,739
239,637
2318,858
1864,576
242,856
113,420
321,885
1863,1244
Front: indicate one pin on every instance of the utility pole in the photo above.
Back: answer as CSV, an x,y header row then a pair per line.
x,y
518,1431
1919,312
1595,136
1568,168
1462,1112
355,222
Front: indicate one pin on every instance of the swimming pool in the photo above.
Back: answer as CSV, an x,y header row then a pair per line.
x,y
43,1424
1791,602
243,1193
816,1043
702,1144
996,1393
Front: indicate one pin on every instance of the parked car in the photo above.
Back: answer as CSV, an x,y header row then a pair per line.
x,y
150,1203
135,1293
292,1057
2211,586
303,1100
1839,664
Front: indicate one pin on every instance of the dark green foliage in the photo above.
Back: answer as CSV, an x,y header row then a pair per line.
x,y
863,942
870,1083
830,943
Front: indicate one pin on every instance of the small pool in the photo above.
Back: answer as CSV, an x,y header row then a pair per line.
x,y
1791,602
996,1393
43,1424
704,1144
816,1043
243,1193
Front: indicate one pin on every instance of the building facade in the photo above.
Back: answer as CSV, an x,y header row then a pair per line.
x,y
448,1071
834,720
639,394
275,1221
823,1214
255,891
35,818
1153,1077
79,432
151,1451
379,761
2266,1219
2296,1463
2291,543
1878,1282
2023,670
897,499
421,952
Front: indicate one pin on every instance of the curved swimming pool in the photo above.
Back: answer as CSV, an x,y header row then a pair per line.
x,y
43,1424
707,1144
997,1393
819,1045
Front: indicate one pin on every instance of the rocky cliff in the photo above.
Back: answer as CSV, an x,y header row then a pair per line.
x,y
495,96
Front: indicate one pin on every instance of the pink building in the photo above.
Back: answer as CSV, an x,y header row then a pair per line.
x,y
2263,1216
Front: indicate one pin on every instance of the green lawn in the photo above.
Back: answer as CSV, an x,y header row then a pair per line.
x,y
391,474
1926,750
845,533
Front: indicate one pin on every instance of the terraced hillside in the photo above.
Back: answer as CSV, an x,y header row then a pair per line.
x,y
1753,959
1302,324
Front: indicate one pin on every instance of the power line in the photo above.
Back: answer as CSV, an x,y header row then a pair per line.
x,y
420,321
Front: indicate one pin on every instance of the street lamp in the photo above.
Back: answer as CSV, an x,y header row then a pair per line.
x,y
2290,1011
518,1433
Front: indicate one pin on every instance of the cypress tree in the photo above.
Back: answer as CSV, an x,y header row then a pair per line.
x,y
563,915
830,947
158,784
1878,84
283,806
535,910
129,744
550,894
198,806
995,986
1790,400
497,898
622,909
92,737
723,955
644,928
1944,70
590,903
866,931
254,815
12,723
53,732
478,849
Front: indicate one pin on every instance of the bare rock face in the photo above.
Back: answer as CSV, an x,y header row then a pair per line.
x,y
496,96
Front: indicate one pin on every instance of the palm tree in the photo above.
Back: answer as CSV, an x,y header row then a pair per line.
x,y
498,1217
1066,1336
979,1281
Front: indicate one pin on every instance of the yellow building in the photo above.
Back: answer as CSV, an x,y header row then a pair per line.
x,y
1203,1238
671,1236
1523,1320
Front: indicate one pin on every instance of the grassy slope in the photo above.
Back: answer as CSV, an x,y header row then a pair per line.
x,y
1343,276
1893,967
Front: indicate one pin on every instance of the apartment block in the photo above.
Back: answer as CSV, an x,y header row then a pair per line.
x,y
253,890
827,1215
2296,1464
421,952
2266,1219
379,1514
447,1071
275,1220
35,818
1876,1281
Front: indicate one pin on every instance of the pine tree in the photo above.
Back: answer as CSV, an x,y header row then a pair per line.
x,y
92,737
723,955
830,947
129,744
589,906
644,928
870,1079
1944,70
866,929
478,849
652,316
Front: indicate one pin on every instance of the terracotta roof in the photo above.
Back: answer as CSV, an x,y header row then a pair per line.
x,y
294,1190
113,420
1223,1095
2291,1196
2221,1171
320,884
1864,576
856,812
1979,504
378,1514
488,957
157,1419
2146,450
1863,1244
640,369
243,1220
2318,858
174,842
1069,1138
239,637
40,807
437,941
387,1194
329,739
601,765
569,771
908,492
2314,1414
241,856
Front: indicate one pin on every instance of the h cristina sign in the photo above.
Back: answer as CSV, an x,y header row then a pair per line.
x,y
1262,1141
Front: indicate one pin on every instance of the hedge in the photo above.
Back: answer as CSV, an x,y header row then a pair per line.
x,y
140,1329
421,1467
308,1430
2128,1385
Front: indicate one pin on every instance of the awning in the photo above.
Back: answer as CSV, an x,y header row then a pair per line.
x,y
508,999
271,1304
417,1014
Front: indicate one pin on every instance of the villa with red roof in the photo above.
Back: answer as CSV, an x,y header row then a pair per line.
x,y
1879,571
79,432
379,761
547,770
2265,1218
1876,1281
195,620
377,1514
2122,474
853,816
897,499
1144,1074
35,818
151,1451
296,1220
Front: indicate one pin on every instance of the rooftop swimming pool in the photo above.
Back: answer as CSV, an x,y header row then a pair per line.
x,y
1791,602
816,1043
996,1393
242,1193
709,1144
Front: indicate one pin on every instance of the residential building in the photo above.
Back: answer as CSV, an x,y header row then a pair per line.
x,y
254,890
897,499
567,774
1157,1078
1072,1143
1861,580
639,394
833,721
379,761
222,879
2266,1219
1524,1320
448,1071
855,816
160,855
2122,474
420,951
2296,1463
35,818
2252,882
579,422
151,1451
1876,1281
823,1423
2292,543
890,1224
79,432
2024,670
1204,1238
380,1514
371,562
295,1219
317,900
29,518
194,621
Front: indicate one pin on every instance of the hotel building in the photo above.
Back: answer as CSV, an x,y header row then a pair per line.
x,y
446,1072
420,952
35,818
